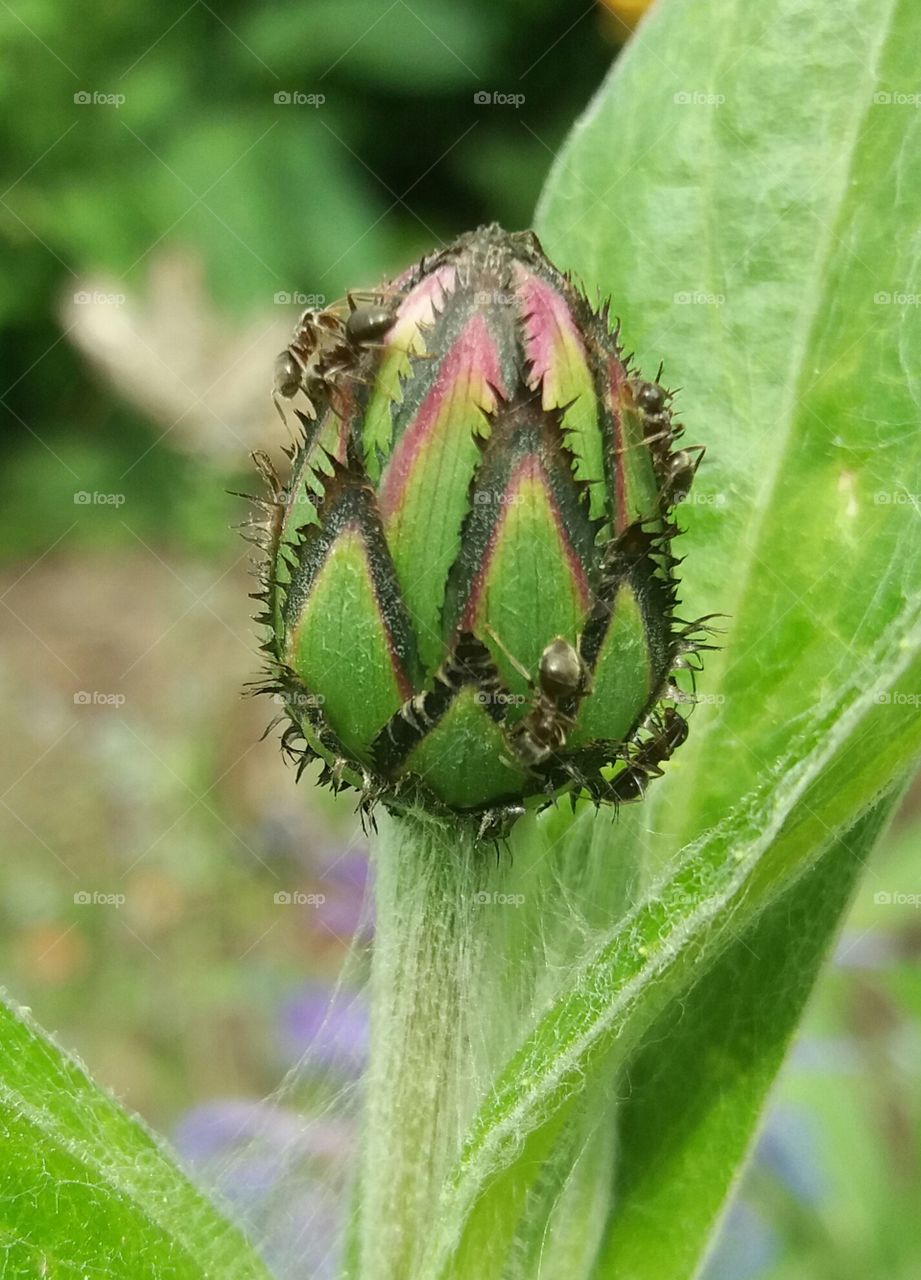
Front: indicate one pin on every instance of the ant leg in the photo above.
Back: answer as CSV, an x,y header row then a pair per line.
x,y
357,297
519,666
629,787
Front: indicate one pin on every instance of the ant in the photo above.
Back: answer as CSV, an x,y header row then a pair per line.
x,y
646,762
677,470
325,346
562,681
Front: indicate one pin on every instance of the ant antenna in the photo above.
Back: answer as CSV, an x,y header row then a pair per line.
x,y
519,667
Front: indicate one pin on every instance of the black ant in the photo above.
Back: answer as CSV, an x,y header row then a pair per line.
x,y
646,762
676,470
325,346
562,681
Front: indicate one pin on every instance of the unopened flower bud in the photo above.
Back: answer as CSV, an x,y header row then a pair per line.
x,y
471,591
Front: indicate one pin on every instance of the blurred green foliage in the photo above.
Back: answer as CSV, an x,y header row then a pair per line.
x,y
271,196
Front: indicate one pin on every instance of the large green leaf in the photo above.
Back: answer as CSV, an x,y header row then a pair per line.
x,y
706,1065
765,246
85,1190
745,187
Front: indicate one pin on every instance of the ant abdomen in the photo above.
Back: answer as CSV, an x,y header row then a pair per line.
x,y
368,324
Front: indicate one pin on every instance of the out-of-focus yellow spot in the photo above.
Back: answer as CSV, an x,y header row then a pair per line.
x,y
155,901
622,16
52,954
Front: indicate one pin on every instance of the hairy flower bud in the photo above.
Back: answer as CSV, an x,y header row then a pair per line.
x,y
471,591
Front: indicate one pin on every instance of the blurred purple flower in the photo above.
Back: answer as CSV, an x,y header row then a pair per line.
x,y
285,1174
789,1149
347,910
331,1027
745,1246
216,1128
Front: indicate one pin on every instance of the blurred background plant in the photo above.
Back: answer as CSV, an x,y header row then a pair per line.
x,y
180,179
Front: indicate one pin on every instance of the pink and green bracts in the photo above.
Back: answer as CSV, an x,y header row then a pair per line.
x,y
470,591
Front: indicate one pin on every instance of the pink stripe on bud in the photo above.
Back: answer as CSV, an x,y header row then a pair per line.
x,y
465,380
551,339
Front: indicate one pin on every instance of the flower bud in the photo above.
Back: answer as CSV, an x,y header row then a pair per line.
x,y
471,589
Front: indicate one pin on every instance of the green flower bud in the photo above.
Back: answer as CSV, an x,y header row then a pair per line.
x,y
471,590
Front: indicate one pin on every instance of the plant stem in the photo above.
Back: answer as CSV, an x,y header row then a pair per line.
x,y
468,947
428,955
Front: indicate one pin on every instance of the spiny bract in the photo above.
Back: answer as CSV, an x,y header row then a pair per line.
x,y
470,589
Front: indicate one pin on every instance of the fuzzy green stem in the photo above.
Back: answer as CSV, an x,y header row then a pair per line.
x,y
468,946
429,946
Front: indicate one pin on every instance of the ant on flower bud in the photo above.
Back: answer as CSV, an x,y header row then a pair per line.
x,y
326,346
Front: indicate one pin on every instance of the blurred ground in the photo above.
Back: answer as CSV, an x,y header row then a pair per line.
x,y
133,767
